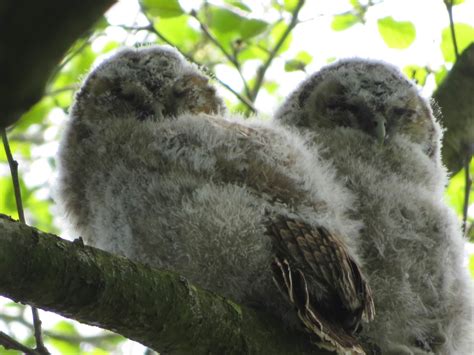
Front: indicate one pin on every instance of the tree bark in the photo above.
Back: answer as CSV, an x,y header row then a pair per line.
x,y
34,35
159,309
455,98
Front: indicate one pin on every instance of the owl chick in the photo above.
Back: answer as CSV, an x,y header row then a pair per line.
x,y
241,208
383,142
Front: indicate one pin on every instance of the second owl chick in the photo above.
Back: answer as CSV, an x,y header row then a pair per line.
x,y
384,145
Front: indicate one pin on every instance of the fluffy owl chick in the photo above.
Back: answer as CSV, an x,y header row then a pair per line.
x,y
135,85
234,206
381,137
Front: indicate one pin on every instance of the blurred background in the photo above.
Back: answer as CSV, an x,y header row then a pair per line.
x,y
257,52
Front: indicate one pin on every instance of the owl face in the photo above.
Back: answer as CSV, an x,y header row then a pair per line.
x,y
147,83
371,97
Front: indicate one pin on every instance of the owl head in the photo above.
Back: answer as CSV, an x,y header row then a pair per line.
x,y
146,83
370,96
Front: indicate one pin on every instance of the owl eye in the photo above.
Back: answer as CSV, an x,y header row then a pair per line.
x,y
402,111
337,105
180,88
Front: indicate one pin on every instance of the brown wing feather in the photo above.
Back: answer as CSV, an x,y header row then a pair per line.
x,y
306,253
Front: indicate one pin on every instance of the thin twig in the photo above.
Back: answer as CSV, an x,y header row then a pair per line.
x,y
263,69
231,58
449,7
21,215
14,173
9,343
243,99
38,333
152,29
95,340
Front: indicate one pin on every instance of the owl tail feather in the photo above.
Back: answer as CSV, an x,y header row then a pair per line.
x,y
294,287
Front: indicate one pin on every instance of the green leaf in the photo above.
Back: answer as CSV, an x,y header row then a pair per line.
x,y
300,61
440,75
396,34
355,4
65,347
223,21
290,5
20,148
417,73
464,37
98,352
36,114
294,65
251,28
239,5
276,34
454,2
304,56
253,52
77,66
163,8
178,31
65,327
455,192
344,21
13,305
39,212
7,200
271,86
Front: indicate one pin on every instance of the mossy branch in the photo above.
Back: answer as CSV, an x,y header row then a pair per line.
x,y
159,309
34,35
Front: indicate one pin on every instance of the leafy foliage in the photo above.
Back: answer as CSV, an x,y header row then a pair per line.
x,y
464,37
417,73
163,8
396,34
344,21
226,36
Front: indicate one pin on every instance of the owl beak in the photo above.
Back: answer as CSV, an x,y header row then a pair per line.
x,y
380,132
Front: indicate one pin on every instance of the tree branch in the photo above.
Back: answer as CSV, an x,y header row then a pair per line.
x,y
454,96
159,309
467,156
34,35
9,343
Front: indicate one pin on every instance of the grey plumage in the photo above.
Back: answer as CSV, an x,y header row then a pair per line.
x,y
411,244
146,172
